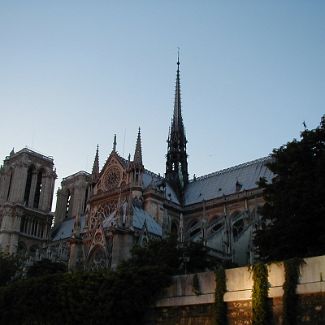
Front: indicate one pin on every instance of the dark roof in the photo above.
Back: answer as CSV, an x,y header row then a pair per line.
x,y
141,217
228,181
152,179
65,229
30,152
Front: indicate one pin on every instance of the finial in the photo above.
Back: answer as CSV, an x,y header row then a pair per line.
x,y
178,58
114,143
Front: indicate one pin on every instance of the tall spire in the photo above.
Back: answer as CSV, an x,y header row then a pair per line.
x,y
177,121
114,143
95,172
176,164
138,150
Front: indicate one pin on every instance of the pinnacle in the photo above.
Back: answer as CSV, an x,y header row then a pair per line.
x,y
114,143
95,171
138,149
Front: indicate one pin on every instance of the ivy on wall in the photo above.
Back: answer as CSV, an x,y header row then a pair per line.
x,y
260,306
220,307
290,297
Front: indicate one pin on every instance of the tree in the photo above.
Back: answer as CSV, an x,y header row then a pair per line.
x,y
8,268
293,217
197,258
170,256
106,297
45,267
163,253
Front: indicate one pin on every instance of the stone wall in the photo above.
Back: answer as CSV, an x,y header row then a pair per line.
x,y
179,304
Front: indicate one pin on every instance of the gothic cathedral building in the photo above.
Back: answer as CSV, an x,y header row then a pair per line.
x,y
101,215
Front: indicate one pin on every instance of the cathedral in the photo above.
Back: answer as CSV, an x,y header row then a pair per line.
x,y
100,215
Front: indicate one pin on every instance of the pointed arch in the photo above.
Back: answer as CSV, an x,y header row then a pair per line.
x,y
30,172
174,229
97,258
68,204
11,173
38,188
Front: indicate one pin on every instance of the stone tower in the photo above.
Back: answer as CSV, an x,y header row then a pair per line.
x,y
72,197
176,164
26,192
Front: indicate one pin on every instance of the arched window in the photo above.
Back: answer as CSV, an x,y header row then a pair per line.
x,y
67,208
144,242
238,228
22,223
97,259
217,227
194,228
28,183
174,229
193,223
38,189
86,199
10,181
195,232
215,224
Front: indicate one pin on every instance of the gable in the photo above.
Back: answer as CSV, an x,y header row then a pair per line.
x,y
113,175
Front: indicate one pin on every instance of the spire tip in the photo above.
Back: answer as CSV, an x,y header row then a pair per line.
x,y
114,143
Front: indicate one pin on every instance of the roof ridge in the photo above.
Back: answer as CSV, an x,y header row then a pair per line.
x,y
79,173
226,170
32,152
153,173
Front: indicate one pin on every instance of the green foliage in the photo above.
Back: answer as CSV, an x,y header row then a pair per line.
x,y
9,265
49,296
82,298
293,215
219,305
172,257
163,253
261,312
45,267
198,259
290,298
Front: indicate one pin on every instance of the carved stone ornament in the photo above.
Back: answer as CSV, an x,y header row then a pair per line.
x,y
113,178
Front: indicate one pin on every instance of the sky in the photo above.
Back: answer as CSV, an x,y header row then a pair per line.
x,y
74,73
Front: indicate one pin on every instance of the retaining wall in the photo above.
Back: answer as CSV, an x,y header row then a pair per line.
x,y
179,305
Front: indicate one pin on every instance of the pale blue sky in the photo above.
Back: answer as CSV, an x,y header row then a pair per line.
x,y
73,73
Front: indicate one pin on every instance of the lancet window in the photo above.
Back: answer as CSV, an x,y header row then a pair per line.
x,y
38,189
